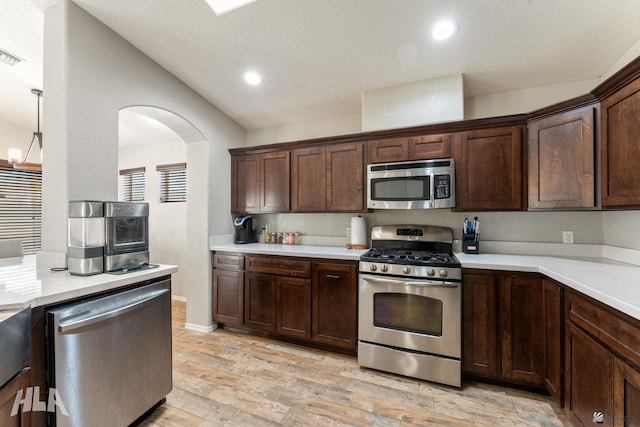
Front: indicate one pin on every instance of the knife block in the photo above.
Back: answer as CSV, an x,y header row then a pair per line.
x,y
469,244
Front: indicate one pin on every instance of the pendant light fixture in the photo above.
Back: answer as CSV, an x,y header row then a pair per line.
x,y
37,133
15,154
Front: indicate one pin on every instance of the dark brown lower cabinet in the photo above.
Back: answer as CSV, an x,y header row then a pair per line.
x,y
8,394
293,307
512,329
480,298
602,363
522,328
312,302
335,310
260,302
228,289
626,394
590,378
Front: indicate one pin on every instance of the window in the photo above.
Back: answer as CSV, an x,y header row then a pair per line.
x,y
21,206
132,184
172,182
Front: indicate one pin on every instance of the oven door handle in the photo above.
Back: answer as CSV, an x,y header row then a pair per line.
x,y
412,282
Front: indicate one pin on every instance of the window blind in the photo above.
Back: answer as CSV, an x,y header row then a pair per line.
x,y
133,183
21,206
172,182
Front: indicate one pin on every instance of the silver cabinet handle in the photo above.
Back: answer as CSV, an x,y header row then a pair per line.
x,y
332,276
62,328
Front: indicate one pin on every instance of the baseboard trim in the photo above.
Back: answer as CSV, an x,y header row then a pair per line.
x,y
200,328
179,298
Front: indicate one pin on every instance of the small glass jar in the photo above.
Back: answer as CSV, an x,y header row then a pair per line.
x,y
291,239
298,238
280,237
267,238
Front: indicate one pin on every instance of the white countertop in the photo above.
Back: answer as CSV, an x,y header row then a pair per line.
x,y
29,281
614,283
307,251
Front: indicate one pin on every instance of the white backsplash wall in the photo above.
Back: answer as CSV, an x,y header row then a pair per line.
x,y
541,227
622,229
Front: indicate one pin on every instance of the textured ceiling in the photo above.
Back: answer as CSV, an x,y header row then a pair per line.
x,y
317,56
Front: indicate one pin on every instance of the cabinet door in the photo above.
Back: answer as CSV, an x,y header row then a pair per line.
x,y
275,182
293,307
430,147
8,394
228,291
626,395
489,169
620,150
553,321
260,302
345,188
522,328
388,150
561,161
334,313
589,374
309,180
480,351
245,183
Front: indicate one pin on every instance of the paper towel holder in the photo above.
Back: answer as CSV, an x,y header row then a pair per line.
x,y
362,242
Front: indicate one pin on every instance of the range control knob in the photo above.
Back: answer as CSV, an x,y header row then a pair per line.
x,y
384,268
373,267
431,272
443,273
406,269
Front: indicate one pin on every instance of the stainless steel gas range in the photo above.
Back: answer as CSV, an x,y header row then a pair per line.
x,y
410,304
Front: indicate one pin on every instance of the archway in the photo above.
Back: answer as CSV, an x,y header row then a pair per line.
x,y
149,137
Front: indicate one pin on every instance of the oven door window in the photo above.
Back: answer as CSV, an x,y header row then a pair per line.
x,y
409,313
400,188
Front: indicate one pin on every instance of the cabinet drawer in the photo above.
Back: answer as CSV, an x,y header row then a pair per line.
x,y
279,265
228,262
603,323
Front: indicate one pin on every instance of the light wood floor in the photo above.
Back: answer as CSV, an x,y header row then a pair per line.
x,y
231,379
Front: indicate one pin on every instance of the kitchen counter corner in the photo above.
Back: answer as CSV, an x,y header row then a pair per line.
x,y
307,251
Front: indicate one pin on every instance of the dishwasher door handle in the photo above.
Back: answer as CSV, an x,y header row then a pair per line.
x,y
71,326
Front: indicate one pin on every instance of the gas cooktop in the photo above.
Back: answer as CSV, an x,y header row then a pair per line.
x,y
411,257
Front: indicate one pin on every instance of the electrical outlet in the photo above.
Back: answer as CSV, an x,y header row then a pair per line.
x,y
567,237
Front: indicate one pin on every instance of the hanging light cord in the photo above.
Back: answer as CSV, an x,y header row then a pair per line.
x,y
36,134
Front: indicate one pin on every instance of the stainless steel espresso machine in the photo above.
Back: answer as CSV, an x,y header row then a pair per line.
x,y
107,236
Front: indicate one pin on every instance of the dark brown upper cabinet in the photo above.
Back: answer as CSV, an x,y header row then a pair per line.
x,y
489,169
328,178
561,160
260,182
409,148
620,152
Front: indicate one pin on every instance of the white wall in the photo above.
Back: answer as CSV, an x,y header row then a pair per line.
x,y
90,73
12,136
167,221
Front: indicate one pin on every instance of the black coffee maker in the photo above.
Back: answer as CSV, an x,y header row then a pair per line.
x,y
244,230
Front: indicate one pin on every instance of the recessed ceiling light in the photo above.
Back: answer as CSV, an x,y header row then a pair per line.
x,y
9,58
444,29
252,78
223,6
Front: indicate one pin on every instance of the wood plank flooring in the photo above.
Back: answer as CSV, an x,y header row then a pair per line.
x,y
231,379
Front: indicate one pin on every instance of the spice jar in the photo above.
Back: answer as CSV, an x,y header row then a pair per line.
x,y
267,238
298,238
291,239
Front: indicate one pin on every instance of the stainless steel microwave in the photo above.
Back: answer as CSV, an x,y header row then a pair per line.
x,y
422,184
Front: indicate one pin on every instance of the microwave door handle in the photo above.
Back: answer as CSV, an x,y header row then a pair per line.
x,y
431,190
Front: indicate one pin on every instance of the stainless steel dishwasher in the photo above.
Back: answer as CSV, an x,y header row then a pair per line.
x,y
110,358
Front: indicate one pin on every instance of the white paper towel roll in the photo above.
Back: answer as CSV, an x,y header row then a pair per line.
x,y
359,231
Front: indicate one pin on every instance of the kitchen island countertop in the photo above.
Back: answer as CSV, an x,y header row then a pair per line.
x,y
29,281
